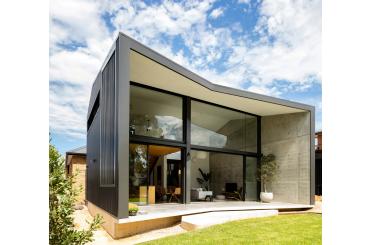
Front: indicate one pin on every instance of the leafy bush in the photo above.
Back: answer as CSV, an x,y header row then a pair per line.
x,y
132,207
62,196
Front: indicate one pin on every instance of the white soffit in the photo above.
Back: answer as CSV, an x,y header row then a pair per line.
x,y
148,72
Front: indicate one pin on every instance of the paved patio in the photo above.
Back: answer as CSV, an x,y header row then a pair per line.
x,y
164,210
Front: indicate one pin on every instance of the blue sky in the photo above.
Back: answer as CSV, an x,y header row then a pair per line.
x,y
268,47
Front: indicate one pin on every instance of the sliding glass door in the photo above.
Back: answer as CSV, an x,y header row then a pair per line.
x,y
250,179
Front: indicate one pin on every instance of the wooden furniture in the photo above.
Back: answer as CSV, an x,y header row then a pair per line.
x,y
176,194
151,194
143,194
232,191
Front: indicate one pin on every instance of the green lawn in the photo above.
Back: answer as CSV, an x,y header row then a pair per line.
x,y
281,229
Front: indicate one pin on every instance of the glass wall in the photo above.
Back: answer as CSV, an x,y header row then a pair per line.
x,y
138,168
154,174
155,114
250,179
218,127
224,176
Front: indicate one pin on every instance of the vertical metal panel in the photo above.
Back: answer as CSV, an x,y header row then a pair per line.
x,y
103,196
107,170
258,154
187,169
244,176
93,159
123,100
312,156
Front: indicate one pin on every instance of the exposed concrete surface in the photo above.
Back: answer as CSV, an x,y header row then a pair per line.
x,y
287,136
198,221
173,209
316,209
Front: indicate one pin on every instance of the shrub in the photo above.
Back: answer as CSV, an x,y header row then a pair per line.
x,y
132,207
62,196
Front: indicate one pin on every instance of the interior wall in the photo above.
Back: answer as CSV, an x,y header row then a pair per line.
x,y
225,168
288,138
197,163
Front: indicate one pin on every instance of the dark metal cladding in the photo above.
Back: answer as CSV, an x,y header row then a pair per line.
x,y
107,173
101,181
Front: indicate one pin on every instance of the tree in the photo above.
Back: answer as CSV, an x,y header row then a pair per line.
x,y
266,173
62,196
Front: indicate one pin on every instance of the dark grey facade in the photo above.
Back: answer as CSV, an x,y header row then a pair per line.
x,y
109,137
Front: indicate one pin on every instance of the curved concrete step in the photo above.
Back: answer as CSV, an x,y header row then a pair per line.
x,y
197,221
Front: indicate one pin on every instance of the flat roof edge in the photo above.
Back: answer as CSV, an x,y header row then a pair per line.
x,y
161,59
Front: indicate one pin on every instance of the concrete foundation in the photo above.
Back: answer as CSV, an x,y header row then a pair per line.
x,y
198,221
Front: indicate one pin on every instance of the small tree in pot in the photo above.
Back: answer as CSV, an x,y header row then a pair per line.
x,y
266,174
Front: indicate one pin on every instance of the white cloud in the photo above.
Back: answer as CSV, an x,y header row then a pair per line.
x,y
216,13
244,2
288,47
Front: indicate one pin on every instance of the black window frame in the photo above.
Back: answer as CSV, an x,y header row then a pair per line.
x,y
186,145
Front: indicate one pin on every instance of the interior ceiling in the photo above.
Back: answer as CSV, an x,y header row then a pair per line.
x,y
159,76
156,150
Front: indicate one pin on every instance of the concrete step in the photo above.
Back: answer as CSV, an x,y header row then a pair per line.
x,y
197,221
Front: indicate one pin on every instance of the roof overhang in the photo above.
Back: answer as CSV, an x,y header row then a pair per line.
x,y
152,69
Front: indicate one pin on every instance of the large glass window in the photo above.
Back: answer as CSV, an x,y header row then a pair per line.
x,y
218,175
138,167
155,114
218,127
250,179
155,174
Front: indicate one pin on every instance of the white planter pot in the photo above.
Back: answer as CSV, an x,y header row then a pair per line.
x,y
266,196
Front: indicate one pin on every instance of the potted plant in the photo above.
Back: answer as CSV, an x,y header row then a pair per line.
x,y
204,182
133,209
266,174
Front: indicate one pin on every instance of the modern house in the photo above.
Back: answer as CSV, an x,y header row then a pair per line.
x,y
152,124
75,163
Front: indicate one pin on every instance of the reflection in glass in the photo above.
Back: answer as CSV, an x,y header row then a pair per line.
x,y
155,114
138,174
250,179
219,127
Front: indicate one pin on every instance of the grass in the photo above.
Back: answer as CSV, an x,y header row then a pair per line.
x,y
281,229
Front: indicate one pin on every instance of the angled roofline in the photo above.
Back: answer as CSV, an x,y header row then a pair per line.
x,y
74,151
161,59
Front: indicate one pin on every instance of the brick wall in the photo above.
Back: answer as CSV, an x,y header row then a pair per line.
x,y
78,164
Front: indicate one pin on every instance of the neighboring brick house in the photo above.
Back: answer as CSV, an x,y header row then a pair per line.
x,y
318,163
76,164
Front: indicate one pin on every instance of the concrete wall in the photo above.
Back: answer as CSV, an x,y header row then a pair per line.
x,y
288,138
225,168
197,163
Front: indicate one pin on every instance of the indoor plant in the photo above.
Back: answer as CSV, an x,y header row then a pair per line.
x,y
204,182
266,174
